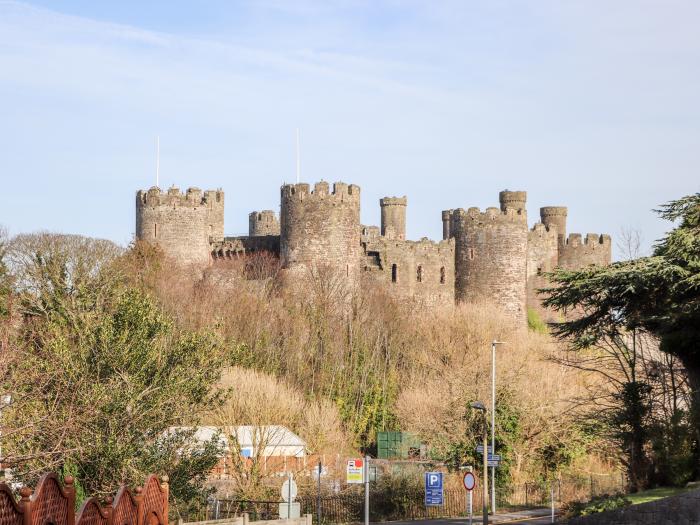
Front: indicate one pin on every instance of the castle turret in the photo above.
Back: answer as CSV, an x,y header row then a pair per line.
x,y
393,217
512,199
555,217
446,218
182,225
263,223
491,254
321,229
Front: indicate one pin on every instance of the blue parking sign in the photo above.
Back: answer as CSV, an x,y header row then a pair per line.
x,y
433,489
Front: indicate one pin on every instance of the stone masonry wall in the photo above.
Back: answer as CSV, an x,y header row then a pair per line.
x,y
420,271
262,223
577,252
233,246
683,509
491,258
321,229
182,225
483,256
542,257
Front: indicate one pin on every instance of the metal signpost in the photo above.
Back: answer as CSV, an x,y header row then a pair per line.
x,y
493,422
469,484
366,480
433,489
289,492
318,494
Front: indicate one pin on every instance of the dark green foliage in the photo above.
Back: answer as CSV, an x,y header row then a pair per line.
x,y
658,294
672,448
598,504
100,376
560,452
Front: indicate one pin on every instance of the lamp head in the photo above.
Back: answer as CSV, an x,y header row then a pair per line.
x,y
478,405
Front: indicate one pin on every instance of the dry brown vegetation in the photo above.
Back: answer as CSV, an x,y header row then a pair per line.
x,y
373,364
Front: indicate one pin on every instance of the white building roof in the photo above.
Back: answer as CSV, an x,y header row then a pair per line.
x,y
276,440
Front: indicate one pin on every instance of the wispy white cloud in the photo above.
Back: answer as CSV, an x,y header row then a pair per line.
x,y
447,102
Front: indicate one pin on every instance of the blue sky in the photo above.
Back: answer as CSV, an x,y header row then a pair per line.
x,y
589,104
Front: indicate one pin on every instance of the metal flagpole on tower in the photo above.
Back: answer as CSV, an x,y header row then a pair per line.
x,y
298,159
157,161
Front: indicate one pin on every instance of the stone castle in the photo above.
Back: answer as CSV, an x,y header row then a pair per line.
x,y
484,255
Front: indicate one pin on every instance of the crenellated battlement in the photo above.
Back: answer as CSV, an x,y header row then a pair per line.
x,y
489,216
393,201
341,192
578,251
174,197
540,229
593,240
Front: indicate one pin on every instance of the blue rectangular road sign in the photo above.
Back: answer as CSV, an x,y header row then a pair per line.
x,y
480,449
433,489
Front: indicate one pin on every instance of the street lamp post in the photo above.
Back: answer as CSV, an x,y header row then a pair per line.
x,y
478,405
493,422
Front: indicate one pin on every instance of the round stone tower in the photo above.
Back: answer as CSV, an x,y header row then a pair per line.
x,y
182,225
393,217
262,223
491,255
320,229
513,199
555,216
446,219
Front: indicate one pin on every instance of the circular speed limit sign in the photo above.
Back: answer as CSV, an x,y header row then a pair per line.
x,y
469,481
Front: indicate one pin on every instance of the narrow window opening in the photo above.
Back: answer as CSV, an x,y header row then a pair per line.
x,y
347,270
471,253
419,274
442,275
539,271
155,231
394,273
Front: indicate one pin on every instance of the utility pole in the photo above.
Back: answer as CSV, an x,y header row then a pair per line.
x,y
366,473
493,423
478,405
318,496
289,496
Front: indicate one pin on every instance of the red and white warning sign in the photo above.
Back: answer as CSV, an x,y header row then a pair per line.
x,y
469,481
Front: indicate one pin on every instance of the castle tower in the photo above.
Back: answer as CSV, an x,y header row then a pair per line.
x,y
393,217
491,254
263,223
319,229
182,225
512,199
446,218
555,216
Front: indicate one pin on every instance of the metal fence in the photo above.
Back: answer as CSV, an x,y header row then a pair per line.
x,y
409,504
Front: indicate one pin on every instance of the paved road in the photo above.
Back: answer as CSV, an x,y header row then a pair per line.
x,y
527,517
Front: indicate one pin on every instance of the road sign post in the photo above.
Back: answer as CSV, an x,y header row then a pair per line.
x,y
288,507
366,480
433,489
469,483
